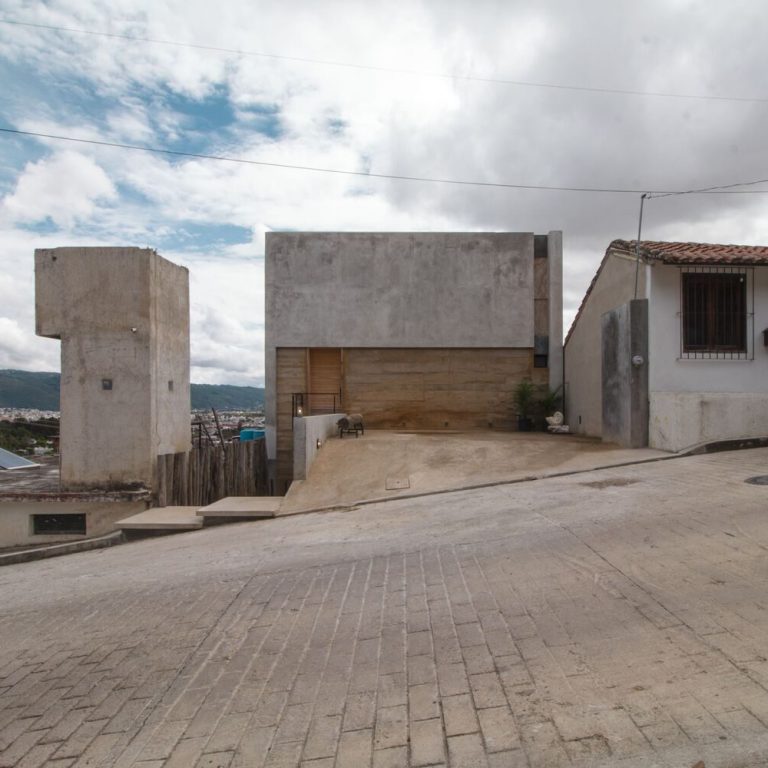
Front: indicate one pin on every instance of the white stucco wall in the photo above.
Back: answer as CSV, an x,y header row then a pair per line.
x,y
307,430
696,401
614,286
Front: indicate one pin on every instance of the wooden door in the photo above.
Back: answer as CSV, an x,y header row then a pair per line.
x,y
324,380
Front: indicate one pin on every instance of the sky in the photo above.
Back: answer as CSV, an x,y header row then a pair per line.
x,y
411,88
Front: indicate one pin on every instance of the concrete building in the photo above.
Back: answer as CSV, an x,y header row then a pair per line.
x,y
685,363
413,330
122,315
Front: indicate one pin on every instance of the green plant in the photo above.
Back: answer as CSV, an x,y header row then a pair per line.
x,y
550,400
524,398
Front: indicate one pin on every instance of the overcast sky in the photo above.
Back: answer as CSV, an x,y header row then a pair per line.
x,y
212,216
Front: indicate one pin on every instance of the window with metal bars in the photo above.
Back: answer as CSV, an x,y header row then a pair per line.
x,y
714,313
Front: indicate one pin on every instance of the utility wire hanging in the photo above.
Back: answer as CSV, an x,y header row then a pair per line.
x,y
727,189
390,70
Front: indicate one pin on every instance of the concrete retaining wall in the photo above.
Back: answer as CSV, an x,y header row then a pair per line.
x,y
307,430
100,517
680,420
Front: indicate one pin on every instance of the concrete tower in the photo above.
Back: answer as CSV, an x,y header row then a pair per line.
x,y
122,315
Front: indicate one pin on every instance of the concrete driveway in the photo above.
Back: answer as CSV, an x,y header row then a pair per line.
x,y
617,619
386,464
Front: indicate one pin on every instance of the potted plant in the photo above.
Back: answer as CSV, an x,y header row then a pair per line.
x,y
524,400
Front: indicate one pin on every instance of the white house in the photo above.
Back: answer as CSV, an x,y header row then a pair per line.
x,y
671,349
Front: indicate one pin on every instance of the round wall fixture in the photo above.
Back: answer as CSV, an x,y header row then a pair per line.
x,y
758,480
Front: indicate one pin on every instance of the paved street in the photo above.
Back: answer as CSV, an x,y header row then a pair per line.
x,y
616,618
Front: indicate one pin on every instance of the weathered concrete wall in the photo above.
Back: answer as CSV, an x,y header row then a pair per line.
x,y
696,401
169,291
122,315
100,517
307,430
680,420
402,290
613,286
625,383
555,307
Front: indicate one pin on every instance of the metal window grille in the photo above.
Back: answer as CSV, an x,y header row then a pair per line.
x,y
717,311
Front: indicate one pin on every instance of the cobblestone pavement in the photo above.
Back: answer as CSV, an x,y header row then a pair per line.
x,y
615,618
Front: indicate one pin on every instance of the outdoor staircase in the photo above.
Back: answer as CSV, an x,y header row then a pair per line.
x,y
232,509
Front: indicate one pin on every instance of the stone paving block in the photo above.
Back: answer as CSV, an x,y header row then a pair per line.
x,y
452,679
487,690
355,749
253,747
391,727
284,755
323,737
360,711
427,742
459,715
423,702
467,751
215,760
499,729
514,759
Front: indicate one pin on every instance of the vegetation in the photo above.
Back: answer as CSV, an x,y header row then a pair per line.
x,y
40,391
524,398
16,437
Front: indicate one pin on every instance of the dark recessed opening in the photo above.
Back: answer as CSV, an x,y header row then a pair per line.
x,y
540,361
106,383
59,524
170,386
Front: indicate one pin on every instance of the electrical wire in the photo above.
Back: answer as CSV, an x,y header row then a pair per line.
x,y
723,189
390,70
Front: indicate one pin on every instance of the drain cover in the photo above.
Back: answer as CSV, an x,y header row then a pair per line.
x,y
758,480
396,483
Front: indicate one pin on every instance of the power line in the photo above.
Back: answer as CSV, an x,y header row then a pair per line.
x,y
390,70
726,189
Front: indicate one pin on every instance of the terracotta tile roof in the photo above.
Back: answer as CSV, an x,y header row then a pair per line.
x,y
694,253
677,253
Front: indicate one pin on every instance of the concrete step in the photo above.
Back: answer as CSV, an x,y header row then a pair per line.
x,y
168,519
242,508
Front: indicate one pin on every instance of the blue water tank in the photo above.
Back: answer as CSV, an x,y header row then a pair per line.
x,y
251,434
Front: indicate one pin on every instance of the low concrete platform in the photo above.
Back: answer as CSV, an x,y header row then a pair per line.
x,y
245,507
163,519
386,464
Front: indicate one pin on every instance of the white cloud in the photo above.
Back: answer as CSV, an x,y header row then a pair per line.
x,y
64,188
400,123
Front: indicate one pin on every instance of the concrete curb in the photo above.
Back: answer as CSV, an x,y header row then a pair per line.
x,y
54,550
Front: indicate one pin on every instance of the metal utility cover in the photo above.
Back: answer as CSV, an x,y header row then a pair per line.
x,y
10,460
396,483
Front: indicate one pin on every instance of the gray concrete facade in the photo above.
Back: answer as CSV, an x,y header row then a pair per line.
x,y
122,315
405,290
625,374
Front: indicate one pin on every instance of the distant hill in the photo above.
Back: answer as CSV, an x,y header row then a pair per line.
x,y
28,389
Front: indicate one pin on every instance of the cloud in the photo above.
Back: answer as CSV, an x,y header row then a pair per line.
x,y
212,216
64,188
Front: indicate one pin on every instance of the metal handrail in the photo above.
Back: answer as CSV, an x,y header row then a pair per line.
x,y
301,404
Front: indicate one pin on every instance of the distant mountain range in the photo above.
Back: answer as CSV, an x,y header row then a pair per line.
x,y
40,391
